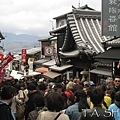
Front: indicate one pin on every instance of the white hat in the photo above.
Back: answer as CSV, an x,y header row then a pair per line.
x,y
41,80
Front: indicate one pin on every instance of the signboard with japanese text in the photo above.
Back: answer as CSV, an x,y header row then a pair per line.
x,y
24,55
48,50
5,61
111,17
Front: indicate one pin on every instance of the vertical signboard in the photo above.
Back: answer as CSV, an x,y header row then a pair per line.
x,y
111,17
24,55
5,61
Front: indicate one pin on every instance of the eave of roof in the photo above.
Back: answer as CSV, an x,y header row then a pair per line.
x,y
33,51
61,68
111,54
101,72
58,29
45,38
71,54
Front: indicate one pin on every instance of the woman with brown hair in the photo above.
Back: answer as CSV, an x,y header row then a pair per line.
x,y
55,104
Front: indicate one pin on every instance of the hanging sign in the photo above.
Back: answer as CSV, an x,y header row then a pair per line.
x,y
111,17
6,60
49,50
24,55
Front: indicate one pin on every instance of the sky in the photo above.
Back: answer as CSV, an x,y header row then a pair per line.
x,y
35,17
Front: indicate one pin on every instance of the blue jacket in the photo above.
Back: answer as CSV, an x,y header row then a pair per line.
x,y
115,109
73,112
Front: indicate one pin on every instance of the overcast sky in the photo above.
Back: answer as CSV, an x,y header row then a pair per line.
x,y
34,16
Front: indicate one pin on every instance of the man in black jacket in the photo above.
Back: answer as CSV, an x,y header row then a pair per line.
x,y
7,95
96,113
115,88
32,91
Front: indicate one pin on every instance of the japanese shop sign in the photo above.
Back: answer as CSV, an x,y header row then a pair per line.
x,y
23,55
5,61
111,17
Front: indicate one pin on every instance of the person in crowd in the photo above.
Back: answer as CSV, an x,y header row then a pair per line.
x,y
76,80
49,88
97,112
71,100
7,94
87,90
20,99
42,87
32,92
23,92
107,97
109,82
39,104
55,104
16,100
115,107
69,89
116,87
86,84
57,87
75,110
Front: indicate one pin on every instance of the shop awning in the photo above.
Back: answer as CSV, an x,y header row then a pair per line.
x,y
61,68
111,54
41,69
49,63
51,74
32,74
16,75
101,72
41,61
33,51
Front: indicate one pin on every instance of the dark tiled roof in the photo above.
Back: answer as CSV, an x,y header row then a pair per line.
x,y
85,26
87,32
110,54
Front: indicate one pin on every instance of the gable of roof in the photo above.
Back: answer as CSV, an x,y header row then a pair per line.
x,y
86,7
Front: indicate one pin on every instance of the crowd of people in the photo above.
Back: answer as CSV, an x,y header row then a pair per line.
x,y
67,100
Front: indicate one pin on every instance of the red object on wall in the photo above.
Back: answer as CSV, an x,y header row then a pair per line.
x,y
23,55
5,61
48,50
1,56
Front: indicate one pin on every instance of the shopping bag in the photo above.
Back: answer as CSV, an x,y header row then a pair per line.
x,y
20,108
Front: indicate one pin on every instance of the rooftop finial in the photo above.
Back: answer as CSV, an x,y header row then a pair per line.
x,y
79,4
